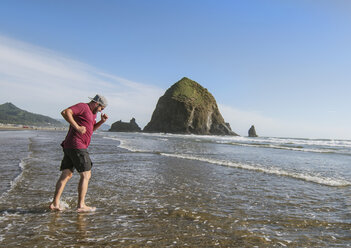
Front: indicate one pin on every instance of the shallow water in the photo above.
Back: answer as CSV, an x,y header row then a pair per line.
x,y
158,190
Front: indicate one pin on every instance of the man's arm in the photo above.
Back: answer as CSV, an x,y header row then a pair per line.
x,y
104,117
68,115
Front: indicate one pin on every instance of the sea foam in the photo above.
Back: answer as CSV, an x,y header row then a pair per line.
x,y
306,176
275,171
125,145
17,179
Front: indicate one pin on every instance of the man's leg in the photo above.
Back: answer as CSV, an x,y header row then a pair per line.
x,y
82,191
60,185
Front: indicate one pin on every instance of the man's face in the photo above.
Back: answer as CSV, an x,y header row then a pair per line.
x,y
97,108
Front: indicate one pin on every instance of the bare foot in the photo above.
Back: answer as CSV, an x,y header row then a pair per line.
x,y
55,208
86,209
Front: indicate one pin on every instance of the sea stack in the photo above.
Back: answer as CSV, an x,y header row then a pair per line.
x,y
120,126
252,132
188,108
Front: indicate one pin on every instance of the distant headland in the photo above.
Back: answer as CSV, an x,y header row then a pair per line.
x,y
12,117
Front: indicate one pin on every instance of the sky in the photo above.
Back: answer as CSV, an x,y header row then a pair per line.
x,y
281,65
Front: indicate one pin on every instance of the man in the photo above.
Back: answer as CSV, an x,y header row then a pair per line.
x,y
81,118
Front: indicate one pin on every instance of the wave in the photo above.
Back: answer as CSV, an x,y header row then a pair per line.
x,y
328,181
300,142
286,147
303,142
276,171
123,144
17,179
295,144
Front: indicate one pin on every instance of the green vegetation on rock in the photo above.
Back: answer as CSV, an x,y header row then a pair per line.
x,y
189,91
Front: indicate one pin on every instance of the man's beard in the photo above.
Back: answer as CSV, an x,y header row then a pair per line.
x,y
95,110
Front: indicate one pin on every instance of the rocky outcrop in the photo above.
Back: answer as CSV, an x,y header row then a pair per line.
x,y
252,132
187,107
120,126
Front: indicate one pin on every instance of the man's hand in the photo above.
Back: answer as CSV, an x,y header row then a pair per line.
x,y
104,117
82,129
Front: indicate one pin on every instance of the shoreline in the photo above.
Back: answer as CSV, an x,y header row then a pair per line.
x,y
20,127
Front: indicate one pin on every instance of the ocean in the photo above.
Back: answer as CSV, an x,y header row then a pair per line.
x,y
167,190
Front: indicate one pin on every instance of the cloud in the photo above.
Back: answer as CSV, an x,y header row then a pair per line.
x,y
42,81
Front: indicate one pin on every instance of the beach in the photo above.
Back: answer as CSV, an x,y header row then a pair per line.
x,y
17,127
163,190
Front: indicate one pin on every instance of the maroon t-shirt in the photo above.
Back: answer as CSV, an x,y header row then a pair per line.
x,y
84,117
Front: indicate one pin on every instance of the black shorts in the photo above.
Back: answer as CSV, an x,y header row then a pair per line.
x,y
76,158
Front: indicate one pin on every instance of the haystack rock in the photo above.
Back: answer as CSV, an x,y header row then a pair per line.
x,y
252,132
120,126
187,107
